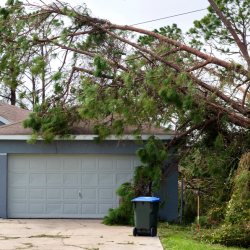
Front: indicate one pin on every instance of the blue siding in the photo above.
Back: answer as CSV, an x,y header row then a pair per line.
x,y
3,185
1,124
170,191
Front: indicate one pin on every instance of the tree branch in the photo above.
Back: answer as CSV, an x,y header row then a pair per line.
x,y
182,135
240,44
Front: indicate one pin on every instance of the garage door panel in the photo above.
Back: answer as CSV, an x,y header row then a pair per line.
x,y
106,193
66,186
71,209
124,164
71,163
89,209
37,194
122,178
103,208
70,179
53,163
54,208
89,163
71,194
18,163
37,163
18,208
106,179
36,208
18,193
37,179
54,193
89,194
54,179
89,179
105,164
16,179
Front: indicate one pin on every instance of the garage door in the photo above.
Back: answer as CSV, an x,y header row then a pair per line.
x,y
66,186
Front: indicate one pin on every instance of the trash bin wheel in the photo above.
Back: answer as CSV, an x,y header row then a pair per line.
x,y
153,231
134,231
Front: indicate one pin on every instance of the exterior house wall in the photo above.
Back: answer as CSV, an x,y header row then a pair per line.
x,y
1,123
79,147
3,184
170,191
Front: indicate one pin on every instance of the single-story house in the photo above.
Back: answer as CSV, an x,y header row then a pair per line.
x,y
69,178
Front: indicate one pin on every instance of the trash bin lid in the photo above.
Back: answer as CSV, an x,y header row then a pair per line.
x,y
147,199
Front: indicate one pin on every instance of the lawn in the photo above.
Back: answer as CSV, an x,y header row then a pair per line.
x,y
183,238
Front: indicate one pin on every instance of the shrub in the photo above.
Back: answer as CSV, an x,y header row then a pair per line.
x,y
123,215
236,227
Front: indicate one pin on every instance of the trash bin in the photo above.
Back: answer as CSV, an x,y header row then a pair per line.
x,y
146,215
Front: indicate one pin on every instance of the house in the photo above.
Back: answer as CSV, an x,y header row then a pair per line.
x,y
69,178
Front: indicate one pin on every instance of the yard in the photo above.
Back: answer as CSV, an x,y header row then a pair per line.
x,y
174,236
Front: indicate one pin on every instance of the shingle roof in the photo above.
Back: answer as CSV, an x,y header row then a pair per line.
x,y
86,129
17,115
13,113
15,128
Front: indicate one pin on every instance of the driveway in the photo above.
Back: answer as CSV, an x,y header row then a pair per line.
x,y
70,234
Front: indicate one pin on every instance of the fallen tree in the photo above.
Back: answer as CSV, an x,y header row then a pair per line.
x,y
120,76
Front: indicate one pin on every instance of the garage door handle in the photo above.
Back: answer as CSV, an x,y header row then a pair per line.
x,y
80,195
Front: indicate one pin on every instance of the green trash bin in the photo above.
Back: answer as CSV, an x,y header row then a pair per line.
x,y
146,215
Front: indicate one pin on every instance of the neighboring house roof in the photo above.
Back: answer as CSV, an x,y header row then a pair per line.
x,y
10,113
16,115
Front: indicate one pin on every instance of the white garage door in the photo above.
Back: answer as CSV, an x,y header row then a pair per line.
x,y
66,186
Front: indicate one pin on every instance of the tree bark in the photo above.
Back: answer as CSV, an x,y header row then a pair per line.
x,y
13,97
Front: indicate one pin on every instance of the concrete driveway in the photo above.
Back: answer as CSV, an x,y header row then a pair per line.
x,y
70,234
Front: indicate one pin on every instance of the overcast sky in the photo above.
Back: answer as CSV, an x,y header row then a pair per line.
x,y
136,11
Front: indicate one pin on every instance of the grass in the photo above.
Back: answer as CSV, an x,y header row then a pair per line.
x,y
182,237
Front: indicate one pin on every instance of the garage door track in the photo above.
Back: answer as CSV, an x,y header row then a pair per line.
x,y
70,234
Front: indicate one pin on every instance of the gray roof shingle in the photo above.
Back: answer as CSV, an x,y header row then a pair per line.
x,y
17,115
13,113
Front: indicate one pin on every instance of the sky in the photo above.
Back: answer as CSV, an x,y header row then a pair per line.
x,y
129,12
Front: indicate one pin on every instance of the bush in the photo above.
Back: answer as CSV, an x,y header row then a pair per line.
x,y
236,227
123,215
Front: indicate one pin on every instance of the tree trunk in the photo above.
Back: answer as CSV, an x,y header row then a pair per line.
x,y
43,78
13,97
33,91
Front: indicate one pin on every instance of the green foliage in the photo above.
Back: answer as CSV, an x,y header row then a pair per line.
x,y
10,2
171,32
57,76
96,39
101,65
171,96
132,89
174,236
123,215
236,227
48,126
219,142
64,9
148,178
38,65
35,38
212,29
4,12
